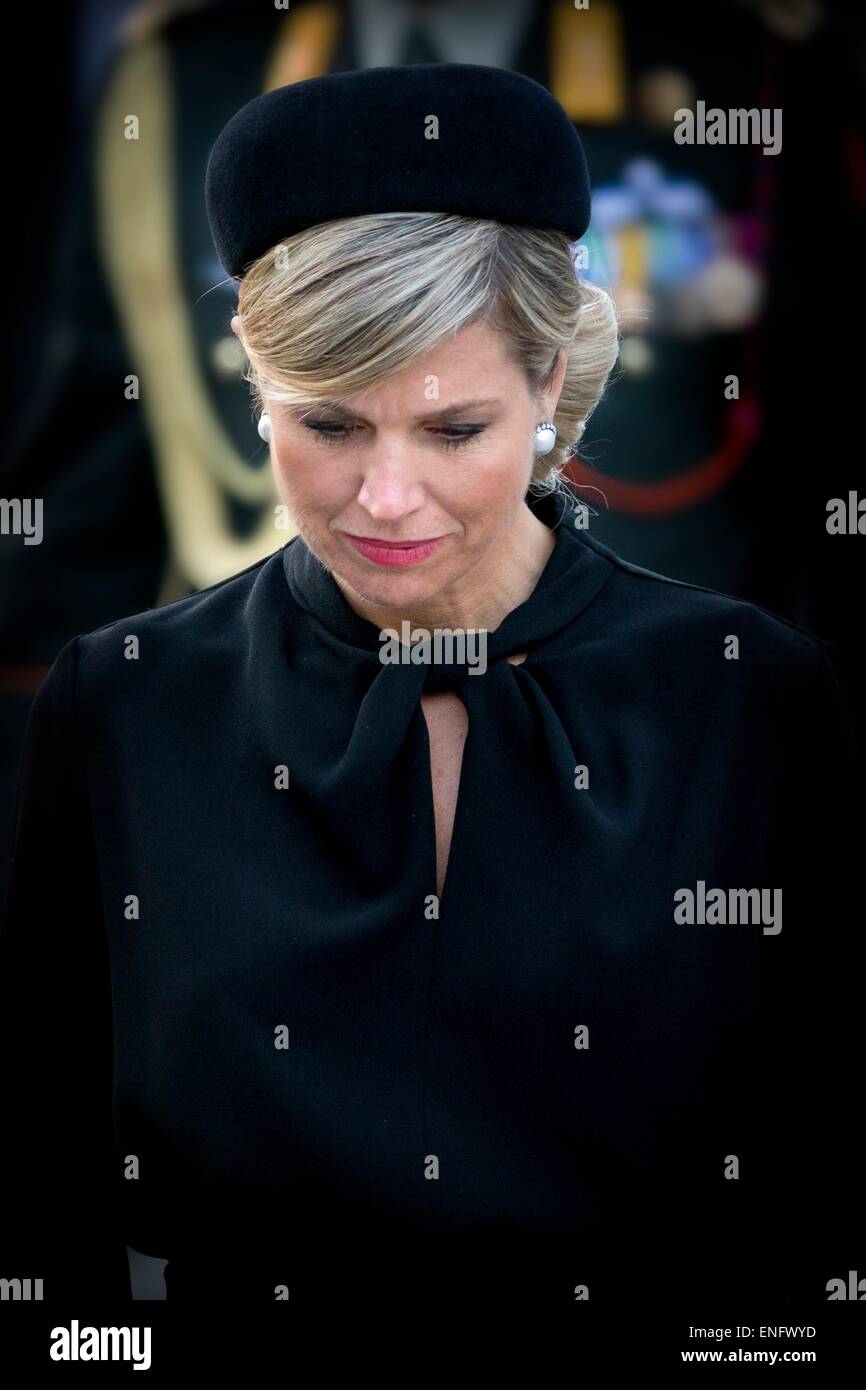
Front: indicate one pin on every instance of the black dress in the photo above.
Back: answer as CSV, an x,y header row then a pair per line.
x,y
246,1037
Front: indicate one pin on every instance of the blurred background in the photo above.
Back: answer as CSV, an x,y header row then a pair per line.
x,y
734,416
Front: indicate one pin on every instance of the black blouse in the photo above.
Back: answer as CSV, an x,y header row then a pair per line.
x,y
244,1035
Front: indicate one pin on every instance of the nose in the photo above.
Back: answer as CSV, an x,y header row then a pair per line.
x,y
390,491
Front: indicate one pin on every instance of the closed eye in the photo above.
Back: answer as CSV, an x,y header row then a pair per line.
x,y
449,436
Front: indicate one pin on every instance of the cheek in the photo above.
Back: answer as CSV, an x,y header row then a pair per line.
x,y
493,477
303,476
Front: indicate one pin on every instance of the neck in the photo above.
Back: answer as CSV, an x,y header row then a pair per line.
x,y
502,580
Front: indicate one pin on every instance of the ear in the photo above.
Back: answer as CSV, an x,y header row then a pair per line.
x,y
236,324
550,396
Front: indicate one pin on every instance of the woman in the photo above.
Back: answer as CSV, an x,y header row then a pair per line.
x,y
424,912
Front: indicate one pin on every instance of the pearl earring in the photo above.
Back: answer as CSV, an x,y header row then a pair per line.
x,y
265,427
545,437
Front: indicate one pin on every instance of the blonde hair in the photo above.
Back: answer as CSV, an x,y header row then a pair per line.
x,y
339,307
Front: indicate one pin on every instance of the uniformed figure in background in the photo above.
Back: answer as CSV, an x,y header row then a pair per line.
x,y
140,439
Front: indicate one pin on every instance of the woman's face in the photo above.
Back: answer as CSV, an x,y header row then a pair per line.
x,y
442,451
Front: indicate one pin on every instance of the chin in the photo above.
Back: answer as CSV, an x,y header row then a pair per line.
x,y
398,586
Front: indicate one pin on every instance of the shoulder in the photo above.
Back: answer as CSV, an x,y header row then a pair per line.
x,y
211,628
689,625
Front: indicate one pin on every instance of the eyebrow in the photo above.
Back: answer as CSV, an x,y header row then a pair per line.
x,y
451,409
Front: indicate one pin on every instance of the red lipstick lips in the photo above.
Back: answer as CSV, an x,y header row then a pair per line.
x,y
395,552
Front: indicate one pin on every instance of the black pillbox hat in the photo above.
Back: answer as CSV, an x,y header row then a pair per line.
x,y
355,142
